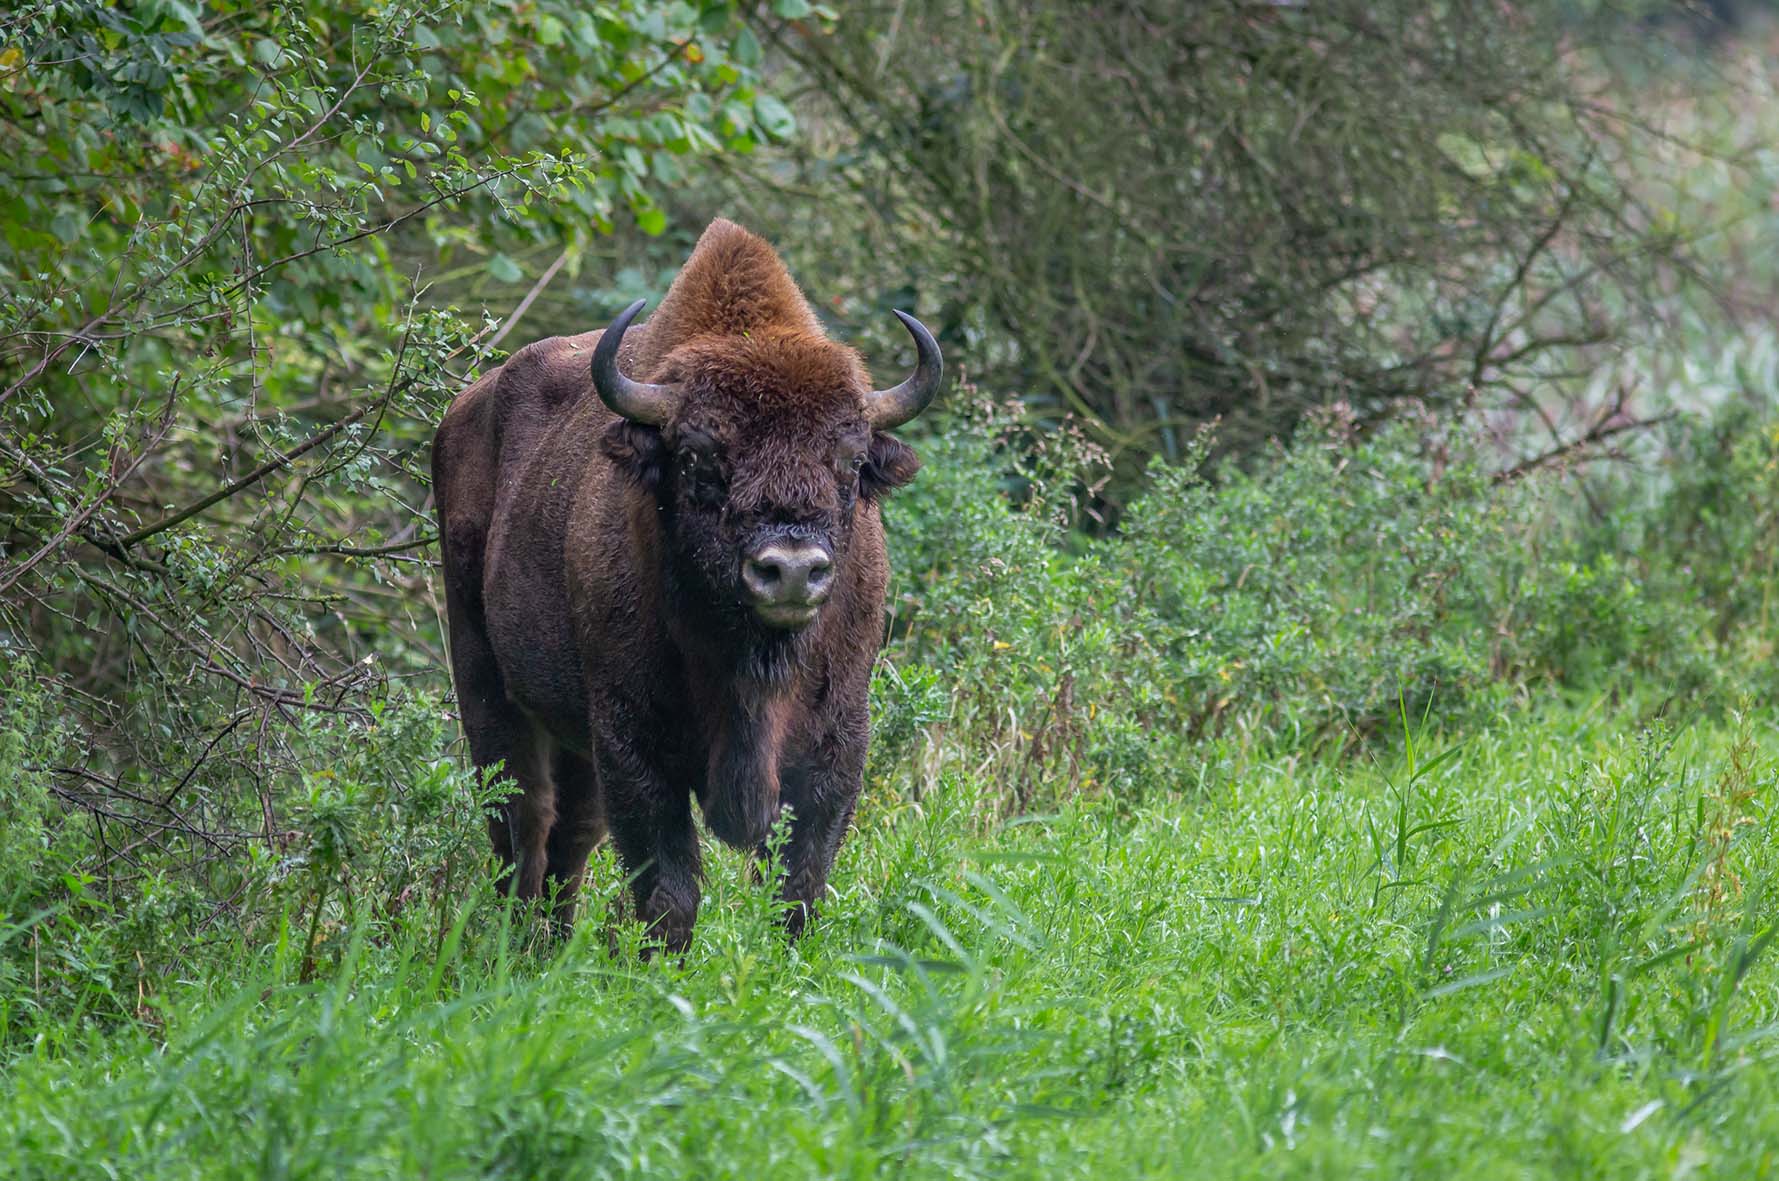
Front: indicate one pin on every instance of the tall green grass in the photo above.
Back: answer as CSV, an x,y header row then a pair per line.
x,y
1542,948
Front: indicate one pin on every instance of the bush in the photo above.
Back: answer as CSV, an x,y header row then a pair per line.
x,y
1305,602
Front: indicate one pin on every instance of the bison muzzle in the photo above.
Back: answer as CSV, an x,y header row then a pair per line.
x,y
664,572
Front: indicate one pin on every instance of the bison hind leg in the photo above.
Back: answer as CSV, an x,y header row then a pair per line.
x,y
498,731
580,825
520,828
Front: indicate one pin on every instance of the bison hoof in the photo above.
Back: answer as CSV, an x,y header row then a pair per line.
x,y
668,917
796,916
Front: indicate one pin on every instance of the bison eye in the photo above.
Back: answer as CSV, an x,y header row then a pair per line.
x,y
703,477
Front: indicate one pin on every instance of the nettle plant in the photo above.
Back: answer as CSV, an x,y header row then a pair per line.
x,y
232,236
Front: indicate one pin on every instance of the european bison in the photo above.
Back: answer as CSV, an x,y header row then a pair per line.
x,y
664,571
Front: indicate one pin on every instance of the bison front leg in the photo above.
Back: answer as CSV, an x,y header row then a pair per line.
x,y
808,859
651,825
821,798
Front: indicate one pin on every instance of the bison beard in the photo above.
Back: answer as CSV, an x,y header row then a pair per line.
x,y
664,575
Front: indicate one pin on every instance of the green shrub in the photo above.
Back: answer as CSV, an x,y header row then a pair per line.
x,y
1309,598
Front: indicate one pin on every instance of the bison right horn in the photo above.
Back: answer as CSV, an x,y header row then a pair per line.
x,y
889,408
639,401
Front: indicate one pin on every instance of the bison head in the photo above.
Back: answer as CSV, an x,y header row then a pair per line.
x,y
759,448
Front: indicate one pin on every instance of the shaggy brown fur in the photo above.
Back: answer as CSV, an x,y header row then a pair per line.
x,y
600,640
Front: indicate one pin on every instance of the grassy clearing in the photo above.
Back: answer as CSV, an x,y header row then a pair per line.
x,y
1538,948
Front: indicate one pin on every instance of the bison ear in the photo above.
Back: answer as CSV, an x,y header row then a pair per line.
x,y
637,451
889,464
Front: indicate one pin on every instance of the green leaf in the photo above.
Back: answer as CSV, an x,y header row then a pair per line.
x,y
791,9
651,221
715,19
746,49
504,269
773,117
67,225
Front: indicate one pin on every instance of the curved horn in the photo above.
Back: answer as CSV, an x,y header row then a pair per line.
x,y
889,408
639,401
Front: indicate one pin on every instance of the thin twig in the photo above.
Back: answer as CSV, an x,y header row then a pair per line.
x,y
253,477
1598,433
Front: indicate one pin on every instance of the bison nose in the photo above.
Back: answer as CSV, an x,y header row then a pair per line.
x,y
787,579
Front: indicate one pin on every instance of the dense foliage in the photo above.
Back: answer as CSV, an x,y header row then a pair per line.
x,y
221,224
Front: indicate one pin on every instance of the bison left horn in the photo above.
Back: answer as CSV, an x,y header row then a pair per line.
x,y
639,401
889,408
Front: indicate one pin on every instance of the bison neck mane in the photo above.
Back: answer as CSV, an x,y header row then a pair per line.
x,y
742,679
734,284
726,643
